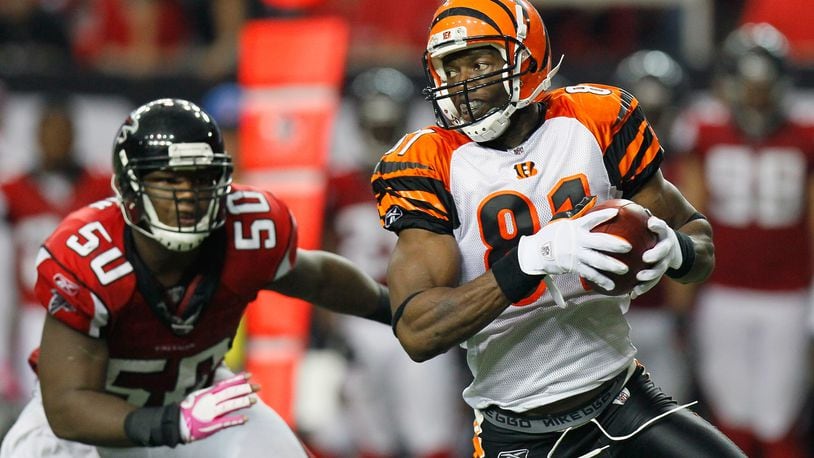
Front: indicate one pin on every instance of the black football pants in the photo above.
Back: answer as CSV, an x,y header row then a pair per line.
x,y
681,434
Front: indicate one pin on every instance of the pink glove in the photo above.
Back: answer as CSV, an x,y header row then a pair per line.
x,y
204,412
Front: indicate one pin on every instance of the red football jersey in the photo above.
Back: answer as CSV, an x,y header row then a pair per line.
x,y
757,202
87,281
32,217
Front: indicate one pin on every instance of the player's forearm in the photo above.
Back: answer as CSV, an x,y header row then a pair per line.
x,y
437,319
90,417
332,282
700,233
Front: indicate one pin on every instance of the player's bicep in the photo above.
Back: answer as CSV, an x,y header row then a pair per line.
x,y
420,261
69,362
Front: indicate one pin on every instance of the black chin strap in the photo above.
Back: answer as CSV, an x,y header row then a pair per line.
x,y
204,280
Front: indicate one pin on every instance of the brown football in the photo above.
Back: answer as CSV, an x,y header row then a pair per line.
x,y
631,224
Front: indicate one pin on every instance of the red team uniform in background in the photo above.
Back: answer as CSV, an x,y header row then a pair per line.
x,y
32,213
752,313
757,203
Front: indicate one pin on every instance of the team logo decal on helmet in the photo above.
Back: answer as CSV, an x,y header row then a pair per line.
x,y
175,136
512,27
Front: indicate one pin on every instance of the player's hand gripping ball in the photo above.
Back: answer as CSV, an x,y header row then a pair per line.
x,y
630,224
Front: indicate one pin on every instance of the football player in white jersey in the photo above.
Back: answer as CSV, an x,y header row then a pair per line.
x,y
479,262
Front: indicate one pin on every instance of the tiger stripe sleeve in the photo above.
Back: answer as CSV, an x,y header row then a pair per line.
x,y
411,184
634,153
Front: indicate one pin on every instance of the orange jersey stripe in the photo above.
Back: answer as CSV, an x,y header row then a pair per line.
x,y
632,151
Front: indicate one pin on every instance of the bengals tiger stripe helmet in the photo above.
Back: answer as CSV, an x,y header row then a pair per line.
x,y
516,30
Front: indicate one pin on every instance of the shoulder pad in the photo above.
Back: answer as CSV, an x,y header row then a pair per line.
x,y
425,152
411,181
82,271
262,236
596,105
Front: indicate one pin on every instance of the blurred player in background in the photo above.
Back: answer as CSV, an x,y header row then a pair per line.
x,y
31,205
388,396
657,324
480,263
750,171
144,293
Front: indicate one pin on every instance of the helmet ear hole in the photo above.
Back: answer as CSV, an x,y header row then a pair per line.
x,y
532,64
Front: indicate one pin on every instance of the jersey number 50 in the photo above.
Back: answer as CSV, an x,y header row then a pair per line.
x,y
110,265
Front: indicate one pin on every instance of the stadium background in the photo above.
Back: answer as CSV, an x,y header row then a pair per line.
x,y
275,72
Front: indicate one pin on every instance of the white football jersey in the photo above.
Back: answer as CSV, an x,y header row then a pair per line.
x,y
594,142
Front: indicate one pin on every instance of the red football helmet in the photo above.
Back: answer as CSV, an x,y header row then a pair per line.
x,y
516,30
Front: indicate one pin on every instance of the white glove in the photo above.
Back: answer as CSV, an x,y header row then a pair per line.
x,y
568,245
204,412
665,255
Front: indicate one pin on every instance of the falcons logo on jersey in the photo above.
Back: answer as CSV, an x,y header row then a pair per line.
x,y
58,303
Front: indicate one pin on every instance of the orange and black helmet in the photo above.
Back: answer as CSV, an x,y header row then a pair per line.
x,y
516,30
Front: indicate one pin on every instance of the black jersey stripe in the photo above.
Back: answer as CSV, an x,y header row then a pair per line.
x,y
467,12
615,152
385,167
420,220
630,188
647,142
397,187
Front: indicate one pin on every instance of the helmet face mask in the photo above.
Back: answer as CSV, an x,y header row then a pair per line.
x,y
172,174
513,28
454,100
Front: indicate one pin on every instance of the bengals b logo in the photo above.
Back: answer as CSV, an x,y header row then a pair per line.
x,y
525,170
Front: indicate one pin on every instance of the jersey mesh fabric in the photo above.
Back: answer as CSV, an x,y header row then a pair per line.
x,y
518,360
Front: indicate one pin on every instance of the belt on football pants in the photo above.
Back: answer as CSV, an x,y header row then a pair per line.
x,y
574,417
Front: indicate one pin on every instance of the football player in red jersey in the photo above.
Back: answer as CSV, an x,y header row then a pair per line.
x,y
144,293
750,169
31,206
479,262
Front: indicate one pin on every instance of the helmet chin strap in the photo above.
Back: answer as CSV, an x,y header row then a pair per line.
x,y
490,127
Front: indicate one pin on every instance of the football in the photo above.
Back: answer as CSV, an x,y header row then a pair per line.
x,y
631,224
